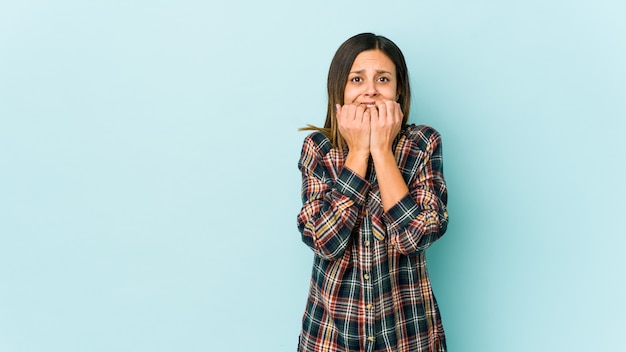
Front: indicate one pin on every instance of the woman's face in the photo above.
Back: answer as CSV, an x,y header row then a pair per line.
x,y
372,78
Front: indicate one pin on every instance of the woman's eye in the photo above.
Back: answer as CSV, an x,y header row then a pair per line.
x,y
383,79
356,79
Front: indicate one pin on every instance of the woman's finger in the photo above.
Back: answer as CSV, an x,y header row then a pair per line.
x,y
367,115
358,113
398,110
382,111
374,114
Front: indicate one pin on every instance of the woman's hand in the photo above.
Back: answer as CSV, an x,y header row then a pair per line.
x,y
354,125
386,121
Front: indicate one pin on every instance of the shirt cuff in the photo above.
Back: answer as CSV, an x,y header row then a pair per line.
x,y
352,185
402,213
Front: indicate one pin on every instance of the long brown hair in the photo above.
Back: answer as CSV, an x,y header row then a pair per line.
x,y
338,77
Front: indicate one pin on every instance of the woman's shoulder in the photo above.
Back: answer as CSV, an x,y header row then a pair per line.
x,y
319,155
422,137
421,132
318,141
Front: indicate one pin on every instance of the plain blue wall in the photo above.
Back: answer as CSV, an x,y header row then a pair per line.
x,y
148,181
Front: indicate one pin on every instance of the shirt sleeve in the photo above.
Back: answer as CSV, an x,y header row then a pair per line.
x,y
421,217
330,207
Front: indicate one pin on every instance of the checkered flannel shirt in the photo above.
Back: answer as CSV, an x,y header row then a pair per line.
x,y
370,289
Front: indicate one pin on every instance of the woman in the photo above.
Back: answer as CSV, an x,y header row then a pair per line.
x,y
374,198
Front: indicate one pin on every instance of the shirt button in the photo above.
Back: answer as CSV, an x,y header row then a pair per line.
x,y
370,339
369,306
366,276
367,243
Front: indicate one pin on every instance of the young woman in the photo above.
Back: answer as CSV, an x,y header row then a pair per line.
x,y
374,198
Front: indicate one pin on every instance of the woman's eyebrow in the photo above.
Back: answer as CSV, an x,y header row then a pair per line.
x,y
361,71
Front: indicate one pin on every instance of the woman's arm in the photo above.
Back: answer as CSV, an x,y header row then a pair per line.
x,y
330,208
420,217
386,121
415,213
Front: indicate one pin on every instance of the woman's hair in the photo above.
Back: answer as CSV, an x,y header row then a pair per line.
x,y
338,77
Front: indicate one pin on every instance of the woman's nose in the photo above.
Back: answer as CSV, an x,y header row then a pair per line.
x,y
370,89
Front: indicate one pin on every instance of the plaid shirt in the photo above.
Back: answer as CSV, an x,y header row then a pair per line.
x,y
370,289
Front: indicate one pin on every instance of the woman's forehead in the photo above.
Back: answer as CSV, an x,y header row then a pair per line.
x,y
373,59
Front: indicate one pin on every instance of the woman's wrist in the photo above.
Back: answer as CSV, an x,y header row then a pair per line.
x,y
357,161
378,153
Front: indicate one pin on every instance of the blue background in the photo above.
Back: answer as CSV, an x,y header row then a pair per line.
x,y
149,188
